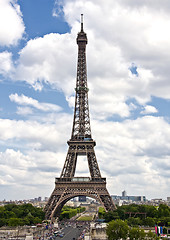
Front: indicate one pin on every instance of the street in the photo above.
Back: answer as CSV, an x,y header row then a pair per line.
x,y
67,230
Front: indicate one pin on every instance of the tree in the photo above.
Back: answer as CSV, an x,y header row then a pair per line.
x,y
14,215
149,222
101,212
134,221
163,211
110,215
136,233
141,234
151,236
117,229
15,222
121,212
3,222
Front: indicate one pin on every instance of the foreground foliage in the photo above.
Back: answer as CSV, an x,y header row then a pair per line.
x,y
119,229
26,214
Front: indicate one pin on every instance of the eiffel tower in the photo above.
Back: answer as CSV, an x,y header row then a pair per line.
x,y
81,143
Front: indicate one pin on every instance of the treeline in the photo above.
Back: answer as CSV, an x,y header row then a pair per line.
x,y
27,214
69,212
19,215
139,215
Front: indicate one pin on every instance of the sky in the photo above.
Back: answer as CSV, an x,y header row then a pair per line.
x,y
128,57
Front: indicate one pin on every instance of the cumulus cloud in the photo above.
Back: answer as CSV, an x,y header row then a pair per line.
x,y
123,145
11,23
148,109
33,134
6,63
134,149
18,170
28,101
51,60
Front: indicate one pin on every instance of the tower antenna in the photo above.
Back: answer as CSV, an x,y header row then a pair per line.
x,y
81,22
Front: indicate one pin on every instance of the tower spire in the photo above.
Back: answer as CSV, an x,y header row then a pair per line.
x,y
81,22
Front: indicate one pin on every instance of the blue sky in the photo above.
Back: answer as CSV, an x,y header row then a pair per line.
x,y
129,97
42,23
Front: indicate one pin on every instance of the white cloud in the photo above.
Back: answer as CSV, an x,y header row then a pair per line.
x,y
36,134
136,153
19,171
6,63
50,60
11,23
148,109
28,101
131,148
24,111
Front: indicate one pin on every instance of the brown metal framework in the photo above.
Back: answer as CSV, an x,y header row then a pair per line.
x,y
81,143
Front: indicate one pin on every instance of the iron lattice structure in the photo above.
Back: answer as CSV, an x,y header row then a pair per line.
x,y
81,143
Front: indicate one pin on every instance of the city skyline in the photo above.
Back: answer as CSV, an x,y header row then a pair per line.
x,y
128,78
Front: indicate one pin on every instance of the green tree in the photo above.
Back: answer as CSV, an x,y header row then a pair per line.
x,y
150,236
149,222
163,211
3,222
163,221
110,215
136,233
2,210
101,212
117,229
134,221
151,211
142,234
15,222
121,213
37,220
14,215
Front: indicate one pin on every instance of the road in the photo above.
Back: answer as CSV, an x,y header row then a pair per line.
x,y
70,233
67,230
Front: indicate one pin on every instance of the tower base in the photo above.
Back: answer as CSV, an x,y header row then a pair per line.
x,y
68,188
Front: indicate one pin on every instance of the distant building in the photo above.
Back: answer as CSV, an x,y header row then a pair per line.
x,y
82,198
125,197
46,199
124,193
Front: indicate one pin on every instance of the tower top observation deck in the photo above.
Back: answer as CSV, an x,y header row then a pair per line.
x,y
81,37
